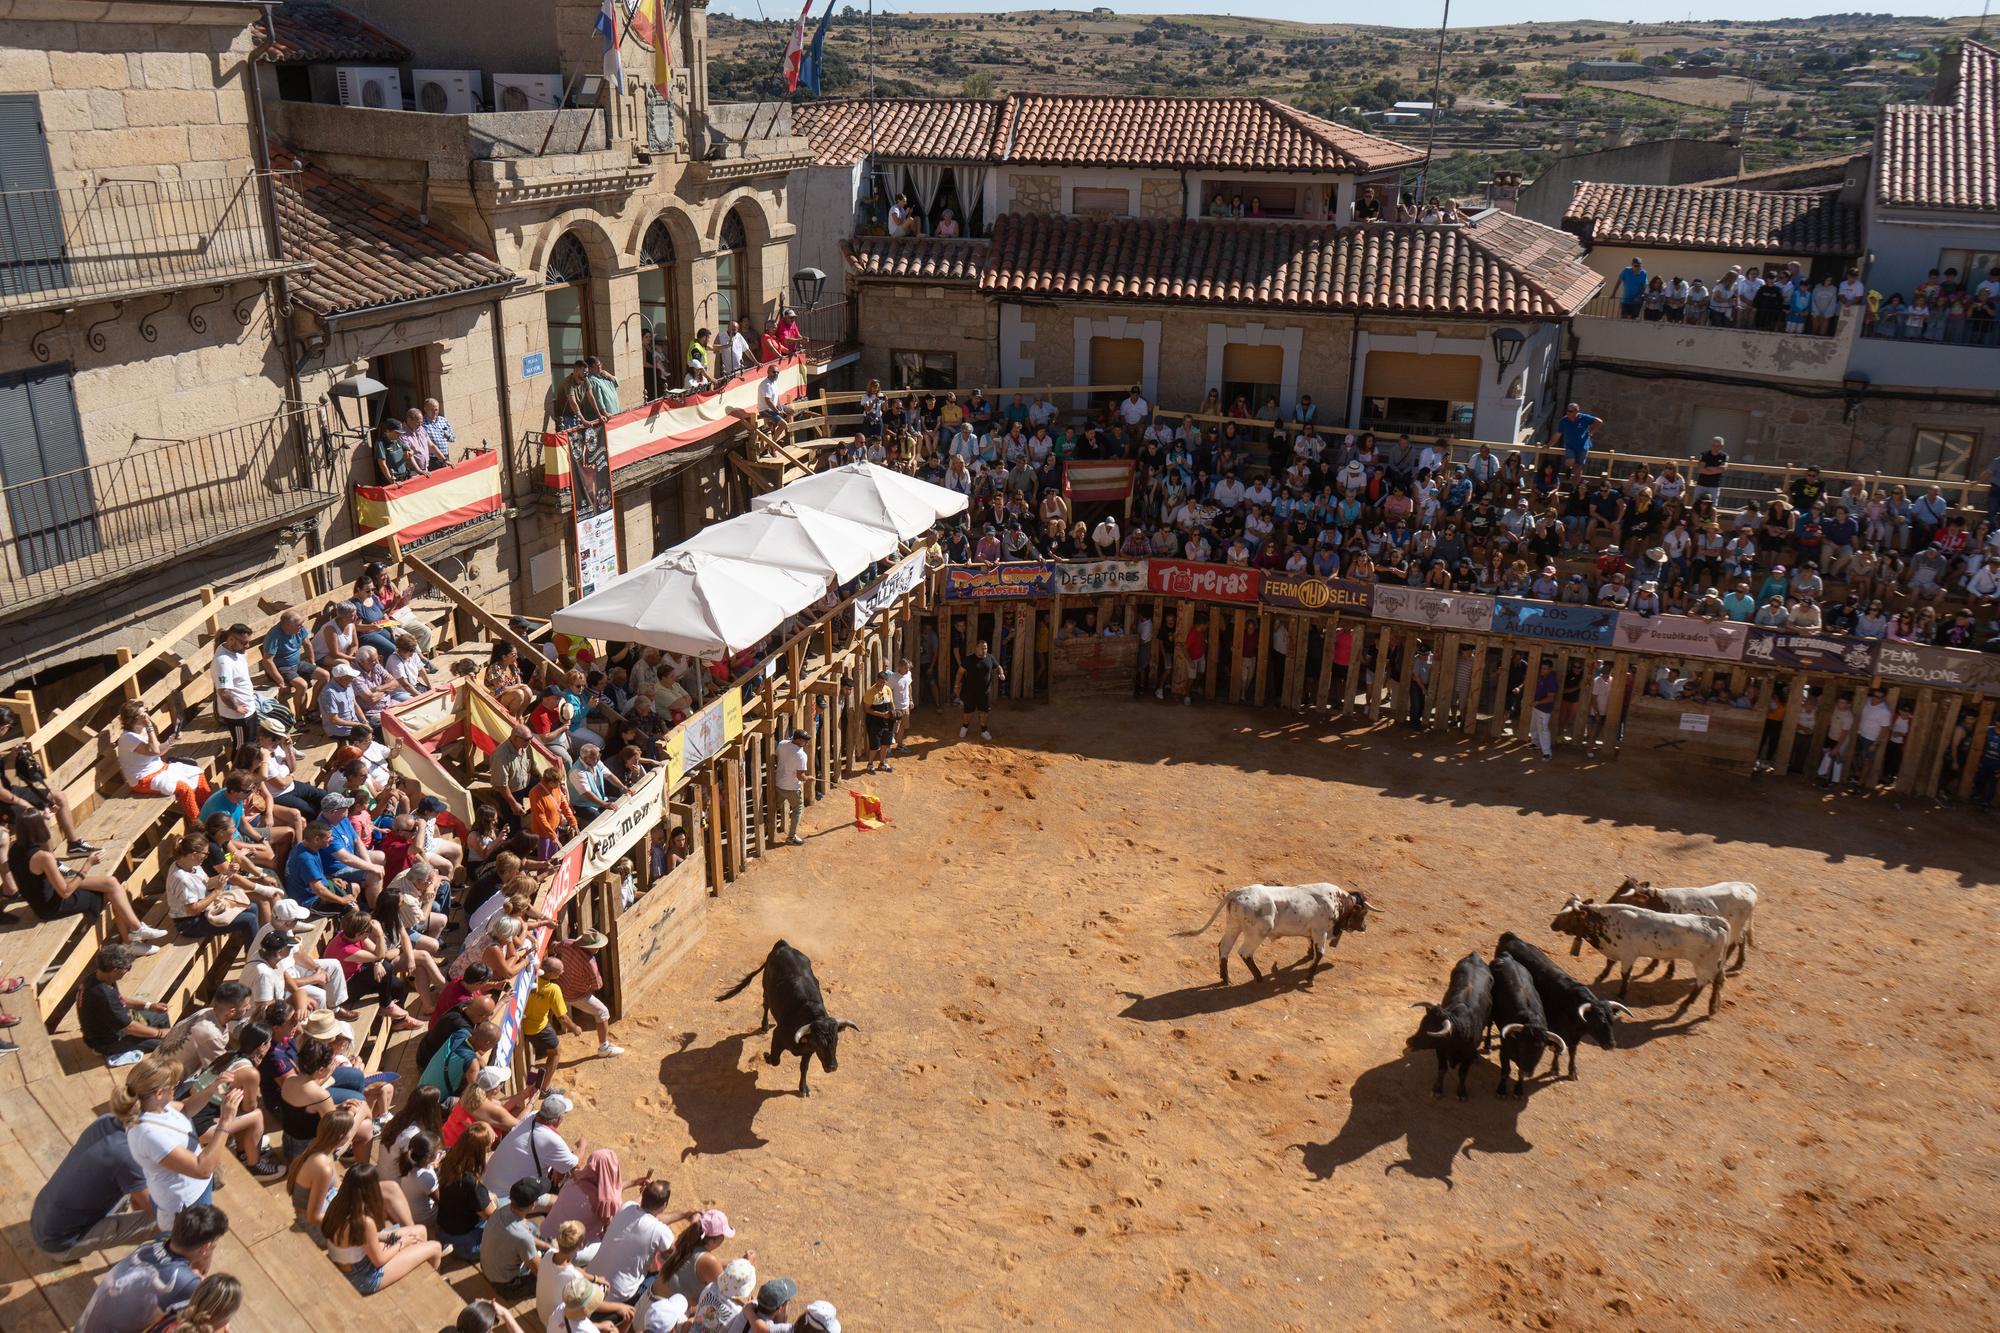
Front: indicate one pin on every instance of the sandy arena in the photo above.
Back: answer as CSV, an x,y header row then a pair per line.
x,y
1055,1116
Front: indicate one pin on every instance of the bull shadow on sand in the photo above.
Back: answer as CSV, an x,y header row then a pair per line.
x,y
1393,1101
715,1092
1216,997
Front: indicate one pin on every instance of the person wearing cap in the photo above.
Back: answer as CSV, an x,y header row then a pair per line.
x,y
278,967
581,979
582,1298
508,1252
772,1299
819,1317
723,1302
342,708
563,1291
535,1148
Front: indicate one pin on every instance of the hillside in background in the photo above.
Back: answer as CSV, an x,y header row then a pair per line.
x,y
1812,86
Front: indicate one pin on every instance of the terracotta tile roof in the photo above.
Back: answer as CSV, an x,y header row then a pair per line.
x,y
1690,217
1229,133
304,33
1503,268
1945,156
366,251
1819,173
916,258
1063,129
941,129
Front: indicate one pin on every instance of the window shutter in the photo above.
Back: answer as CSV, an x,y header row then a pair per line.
x,y
31,225
51,503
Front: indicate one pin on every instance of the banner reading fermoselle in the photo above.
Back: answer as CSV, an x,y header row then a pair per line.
x,y
1835,654
1683,636
1590,626
1309,592
1439,610
1946,668
1100,578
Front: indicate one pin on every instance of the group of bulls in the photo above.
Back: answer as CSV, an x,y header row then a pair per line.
x,y
1534,1005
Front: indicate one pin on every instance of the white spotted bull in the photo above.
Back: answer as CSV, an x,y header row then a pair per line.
x,y
1317,913
1625,934
1732,900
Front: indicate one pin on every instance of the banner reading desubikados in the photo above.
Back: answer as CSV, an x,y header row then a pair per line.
x,y
1945,668
1682,636
1309,592
1835,654
1439,610
1203,582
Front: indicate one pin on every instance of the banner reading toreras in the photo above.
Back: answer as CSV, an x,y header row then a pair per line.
x,y
1832,653
1208,583
1946,668
1591,626
1308,592
969,583
1683,636
1439,610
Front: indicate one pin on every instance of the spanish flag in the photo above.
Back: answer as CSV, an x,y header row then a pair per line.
x,y
649,21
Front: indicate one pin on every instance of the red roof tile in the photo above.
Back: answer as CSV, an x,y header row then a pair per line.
x,y
1946,157
916,258
1690,217
307,33
367,252
939,129
1503,268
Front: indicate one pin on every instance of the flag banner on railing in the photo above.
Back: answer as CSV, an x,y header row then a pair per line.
x,y
468,489
432,722
1094,479
562,887
703,737
657,427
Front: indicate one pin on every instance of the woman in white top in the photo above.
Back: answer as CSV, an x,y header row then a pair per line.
x,y
142,759
179,1166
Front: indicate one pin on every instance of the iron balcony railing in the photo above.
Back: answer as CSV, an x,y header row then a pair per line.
x,y
1606,305
165,501
117,238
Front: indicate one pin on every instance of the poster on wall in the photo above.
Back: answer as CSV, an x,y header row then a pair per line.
x,y
1833,653
596,510
1309,592
1439,610
973,583
1683,636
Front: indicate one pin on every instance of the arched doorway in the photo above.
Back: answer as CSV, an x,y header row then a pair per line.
x,y
659,306
569,302
732,272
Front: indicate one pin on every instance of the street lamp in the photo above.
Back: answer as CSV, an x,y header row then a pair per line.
x,y
808,284
359,388
1507,344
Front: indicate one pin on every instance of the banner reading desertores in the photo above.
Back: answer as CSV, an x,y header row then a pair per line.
x,y
966,583
1685,636
1440,610
1209,583
1589,625
1100,578
1831,653
1947,668
1309,592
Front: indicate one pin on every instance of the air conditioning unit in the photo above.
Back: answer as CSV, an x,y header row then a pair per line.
x,y
378,86
527,92
446,92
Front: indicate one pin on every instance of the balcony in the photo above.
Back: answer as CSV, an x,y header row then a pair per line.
x,y
115,239
747,140
140,514
1914,362
1799,357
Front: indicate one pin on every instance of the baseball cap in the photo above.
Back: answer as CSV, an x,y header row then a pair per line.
x,y
430,805
555,1106
334,800
771,1297
820,1317
714,1222
525,1193
493,1077
285,912
343,671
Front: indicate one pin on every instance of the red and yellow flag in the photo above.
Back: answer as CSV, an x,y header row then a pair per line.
x,y
649,21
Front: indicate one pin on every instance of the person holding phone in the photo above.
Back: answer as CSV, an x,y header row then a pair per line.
x,y
145,760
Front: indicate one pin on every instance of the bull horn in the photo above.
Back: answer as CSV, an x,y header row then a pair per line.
x,y
1418,1004
1562,1047
1583,1010
1623,1012
1379,911
841,1023
799,1037
1444,1030
1510,1030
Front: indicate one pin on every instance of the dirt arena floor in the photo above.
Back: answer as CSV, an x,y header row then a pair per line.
x,y
1055,1116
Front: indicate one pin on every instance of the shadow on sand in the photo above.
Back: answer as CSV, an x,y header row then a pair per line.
x,y
715,1093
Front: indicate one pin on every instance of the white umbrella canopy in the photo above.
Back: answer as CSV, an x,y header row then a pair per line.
x,y
693,602
797,537
876,496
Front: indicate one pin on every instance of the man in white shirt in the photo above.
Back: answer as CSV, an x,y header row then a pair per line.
x,y
771,398
901,686
1042,412
793,767
1134,409
235,700
1228,493
1747,288
638,1234
1876,716
534,1147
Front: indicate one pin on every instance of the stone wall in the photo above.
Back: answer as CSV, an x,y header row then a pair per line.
x,y
955,319
1162,197
1035,193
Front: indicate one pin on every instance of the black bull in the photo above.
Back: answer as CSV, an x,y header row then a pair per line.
x,y
792,999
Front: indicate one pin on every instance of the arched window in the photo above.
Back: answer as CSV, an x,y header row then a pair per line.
x,y
732,267
659,303
567,300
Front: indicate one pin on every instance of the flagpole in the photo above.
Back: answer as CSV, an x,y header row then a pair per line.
x,y
871,97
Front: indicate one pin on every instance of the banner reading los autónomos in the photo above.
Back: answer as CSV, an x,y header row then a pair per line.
x,y
1835,654
1208,583
1439,610
972,583
1682,636
1309,592
1589,626
1945,668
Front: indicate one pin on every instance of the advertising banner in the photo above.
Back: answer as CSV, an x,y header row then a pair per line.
x,y
1208,583
907,574
1587,626
1308,592
1789,651
596,511
615,831
1439,610
1100,578
1682,636
1946,668
703,736
972,583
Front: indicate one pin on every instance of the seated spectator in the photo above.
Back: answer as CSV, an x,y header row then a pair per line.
x,y
344,706
52,893
461,1057
593,787
361,1241
313,879
535,1148
722,1302
508,1254
113,1026
159,1278
280,967
591,1198
285,662
314,1176
204,906
144,759
685,1270
635,1240
95,1199
215,1302
463,1202
179,1165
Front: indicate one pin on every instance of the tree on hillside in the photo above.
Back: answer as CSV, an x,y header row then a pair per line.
x,y
977,84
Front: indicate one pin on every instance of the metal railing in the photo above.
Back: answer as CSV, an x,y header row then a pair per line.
x,y
121,237
140,513
1607,306
1935,330
828,328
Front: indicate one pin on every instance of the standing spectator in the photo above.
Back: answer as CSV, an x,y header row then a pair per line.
x,y
1833,753
788,775
1575,428
1546,689
977,674
545,1020
235,700
580,981
1632,284
1875,719
880,705
158,1278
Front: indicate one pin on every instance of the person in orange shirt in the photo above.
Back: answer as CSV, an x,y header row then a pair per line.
x,y
549,812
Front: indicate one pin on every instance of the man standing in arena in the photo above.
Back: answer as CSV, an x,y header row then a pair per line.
x,y
976,677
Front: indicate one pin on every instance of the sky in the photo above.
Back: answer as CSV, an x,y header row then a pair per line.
x,y
1464,13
